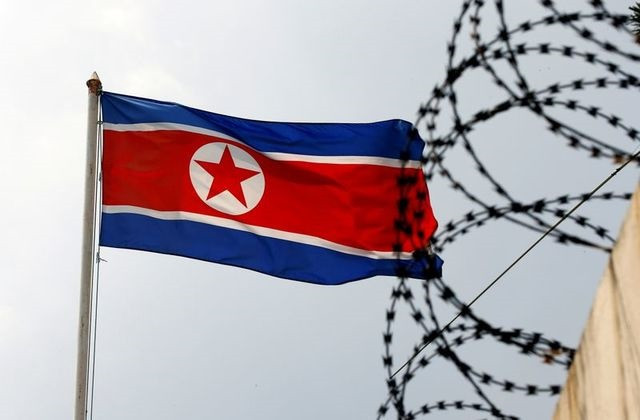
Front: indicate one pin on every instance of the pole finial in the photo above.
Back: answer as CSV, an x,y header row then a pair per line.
x,y
94,84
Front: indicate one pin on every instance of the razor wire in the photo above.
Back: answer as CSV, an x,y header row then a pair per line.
x,y
611,67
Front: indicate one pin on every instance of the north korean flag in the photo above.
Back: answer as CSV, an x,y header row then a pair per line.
x,y
305,201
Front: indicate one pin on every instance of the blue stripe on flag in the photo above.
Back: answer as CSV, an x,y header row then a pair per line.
x,y
287,259
381,139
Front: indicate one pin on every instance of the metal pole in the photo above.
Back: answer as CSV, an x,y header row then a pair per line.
x,y
88,249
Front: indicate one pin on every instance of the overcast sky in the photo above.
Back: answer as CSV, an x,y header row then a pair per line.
x,y
184,339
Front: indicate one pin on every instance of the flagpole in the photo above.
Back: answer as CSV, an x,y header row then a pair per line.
x,y
88,249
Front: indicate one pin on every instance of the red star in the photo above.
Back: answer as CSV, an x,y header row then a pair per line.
x,y
227,176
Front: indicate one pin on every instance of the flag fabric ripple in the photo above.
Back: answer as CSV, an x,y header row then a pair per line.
x,y
312,202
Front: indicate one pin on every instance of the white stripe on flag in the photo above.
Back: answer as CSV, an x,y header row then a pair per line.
x,y
258,230
361,160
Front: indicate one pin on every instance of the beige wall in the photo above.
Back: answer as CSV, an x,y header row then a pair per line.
x,y
604,380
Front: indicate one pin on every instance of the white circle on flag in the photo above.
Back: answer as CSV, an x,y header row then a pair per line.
x,y
238,175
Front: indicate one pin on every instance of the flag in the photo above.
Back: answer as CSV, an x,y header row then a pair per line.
x,y
313,202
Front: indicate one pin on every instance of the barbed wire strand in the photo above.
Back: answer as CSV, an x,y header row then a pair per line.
x,y
496,54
